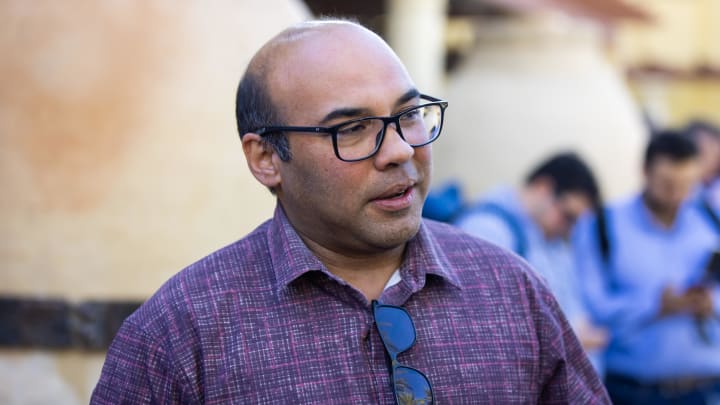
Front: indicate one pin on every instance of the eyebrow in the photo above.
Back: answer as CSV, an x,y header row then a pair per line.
x,y
358,112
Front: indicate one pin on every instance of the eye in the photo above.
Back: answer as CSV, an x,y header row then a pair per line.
x,y
353,129
412,114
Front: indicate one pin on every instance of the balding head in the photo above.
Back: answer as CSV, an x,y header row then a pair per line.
x,y
294,59
275,49
278,49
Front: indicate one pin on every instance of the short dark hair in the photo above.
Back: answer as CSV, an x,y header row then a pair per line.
x,y
671,144
254,109
569,173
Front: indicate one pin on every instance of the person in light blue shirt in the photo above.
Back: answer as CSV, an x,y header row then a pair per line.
x,y
707,139
648,284
534,221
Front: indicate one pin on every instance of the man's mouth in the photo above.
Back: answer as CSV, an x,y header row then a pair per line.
x,y
396,198
395,192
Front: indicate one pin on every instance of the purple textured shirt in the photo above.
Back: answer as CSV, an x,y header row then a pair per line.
x,y
263,321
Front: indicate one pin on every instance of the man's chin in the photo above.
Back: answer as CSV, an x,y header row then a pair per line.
x,y
398,234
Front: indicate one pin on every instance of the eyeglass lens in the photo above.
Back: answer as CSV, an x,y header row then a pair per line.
x,y
398,335
418,126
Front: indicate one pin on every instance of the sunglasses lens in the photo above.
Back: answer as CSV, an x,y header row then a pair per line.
x,y
398,334
412,387
396,328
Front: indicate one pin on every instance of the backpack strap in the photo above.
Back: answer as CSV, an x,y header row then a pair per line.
x,y
603,233
603,236
710,213
521,243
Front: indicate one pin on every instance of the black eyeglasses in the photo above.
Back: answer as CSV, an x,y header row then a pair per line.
x,y
397,333
361,138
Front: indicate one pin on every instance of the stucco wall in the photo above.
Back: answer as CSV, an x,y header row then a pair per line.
x,y
119,159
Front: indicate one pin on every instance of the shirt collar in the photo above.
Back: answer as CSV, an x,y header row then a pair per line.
x,y
291,258
424,255
647,219
289,255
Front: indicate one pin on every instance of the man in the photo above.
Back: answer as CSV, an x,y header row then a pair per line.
x,y
534,221
345,296
650,287
707,139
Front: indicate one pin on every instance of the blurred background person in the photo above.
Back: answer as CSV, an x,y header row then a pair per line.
x,y
707,139
534,221
645,287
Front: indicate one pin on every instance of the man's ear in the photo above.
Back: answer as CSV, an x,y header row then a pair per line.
x,y
262,160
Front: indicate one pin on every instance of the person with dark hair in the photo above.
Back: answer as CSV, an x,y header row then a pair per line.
x,y
535,221
346,295
554,194
652,288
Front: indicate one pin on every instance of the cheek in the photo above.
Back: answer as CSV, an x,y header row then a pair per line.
x,y
423,155
307,176
557,220
423,160
683,190
656,189
331,181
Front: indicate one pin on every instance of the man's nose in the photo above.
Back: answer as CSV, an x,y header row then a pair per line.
x,y
394,149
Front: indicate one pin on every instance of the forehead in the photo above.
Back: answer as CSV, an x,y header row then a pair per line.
x,y
707,139
335,67
576,200
667,168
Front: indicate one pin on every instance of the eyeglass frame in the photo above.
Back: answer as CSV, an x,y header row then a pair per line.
x,y
333,130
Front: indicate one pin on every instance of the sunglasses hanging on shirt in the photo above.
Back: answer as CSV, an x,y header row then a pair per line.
x,y
397,333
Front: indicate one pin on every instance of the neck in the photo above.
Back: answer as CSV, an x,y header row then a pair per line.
x,y
666,216
368,273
